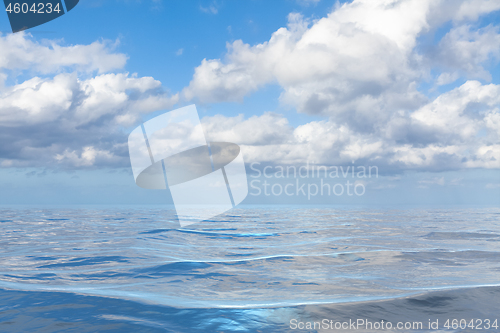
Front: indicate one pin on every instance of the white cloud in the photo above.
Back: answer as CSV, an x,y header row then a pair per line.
x,y
264,130
308,2
444,134
87,157
212,8
359,65
352,57
447,78
457,116
63,119
20,52
456,181
434,181
492,121
72,114
465,49
119,98
472,9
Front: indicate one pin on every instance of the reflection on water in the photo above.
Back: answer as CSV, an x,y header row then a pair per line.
x,y
300,260
257,256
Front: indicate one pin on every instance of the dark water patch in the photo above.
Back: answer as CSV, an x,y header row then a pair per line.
x,y
99,260
468,304
66,312
102,275
39,277
458,258
460,235
157,231
24,311
195,269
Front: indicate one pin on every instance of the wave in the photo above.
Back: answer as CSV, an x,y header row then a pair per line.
x,y
255,257
66,312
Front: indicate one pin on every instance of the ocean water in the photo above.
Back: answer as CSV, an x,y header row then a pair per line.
x,y
255,269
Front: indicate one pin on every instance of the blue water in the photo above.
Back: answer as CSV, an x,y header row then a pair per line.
x,y
252,270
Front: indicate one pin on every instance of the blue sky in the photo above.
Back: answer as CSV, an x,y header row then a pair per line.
x,y
151,33
410,86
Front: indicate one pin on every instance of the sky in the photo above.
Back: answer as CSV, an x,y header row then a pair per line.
x,y
409,86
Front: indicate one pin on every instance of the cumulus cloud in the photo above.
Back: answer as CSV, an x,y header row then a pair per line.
x,y
470,9
464,50
65,120
20,52
458,115
358,57
360,64
120,98
459,129
361,67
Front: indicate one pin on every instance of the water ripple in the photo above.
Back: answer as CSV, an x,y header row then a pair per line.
x,y
253,256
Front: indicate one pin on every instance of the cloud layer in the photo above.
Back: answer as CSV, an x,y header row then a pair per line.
x,y
459,129
66,118
362,68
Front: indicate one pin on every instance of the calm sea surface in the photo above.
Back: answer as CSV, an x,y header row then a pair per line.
x,y
256,269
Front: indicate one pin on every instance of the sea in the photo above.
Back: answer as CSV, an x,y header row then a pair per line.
x,y
254,269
